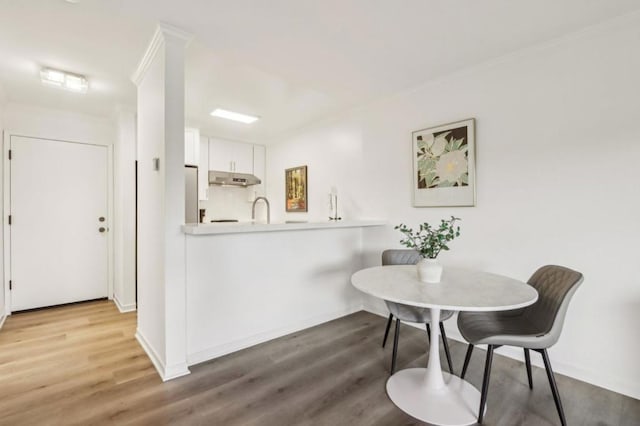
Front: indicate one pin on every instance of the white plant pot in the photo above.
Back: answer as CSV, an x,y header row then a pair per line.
x,y
429,270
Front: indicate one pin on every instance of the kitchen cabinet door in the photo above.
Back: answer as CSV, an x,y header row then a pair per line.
x,y
221,155
228,156
192,147
243,158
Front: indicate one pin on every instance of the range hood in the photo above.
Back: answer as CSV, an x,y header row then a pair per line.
x,y
231,178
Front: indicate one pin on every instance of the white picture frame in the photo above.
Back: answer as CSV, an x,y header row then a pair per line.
x,y
444,165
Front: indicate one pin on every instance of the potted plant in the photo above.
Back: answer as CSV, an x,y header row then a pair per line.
x,y
429,241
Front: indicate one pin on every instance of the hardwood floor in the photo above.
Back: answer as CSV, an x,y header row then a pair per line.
x,y
81,364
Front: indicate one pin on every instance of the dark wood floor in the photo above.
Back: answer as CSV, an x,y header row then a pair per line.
x,y
81,365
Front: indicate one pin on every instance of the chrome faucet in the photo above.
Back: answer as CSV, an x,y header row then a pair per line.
x,y
253,208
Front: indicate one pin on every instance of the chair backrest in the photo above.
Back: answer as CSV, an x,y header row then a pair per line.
x,y
556,286
399,310
400,257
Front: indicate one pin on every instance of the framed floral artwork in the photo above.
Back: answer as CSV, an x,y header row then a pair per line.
x,y
296,189
444,170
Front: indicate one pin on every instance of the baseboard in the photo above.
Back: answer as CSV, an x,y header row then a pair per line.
x,y
236,345
2,319
166,373
122,307
626,387
174,371
374,306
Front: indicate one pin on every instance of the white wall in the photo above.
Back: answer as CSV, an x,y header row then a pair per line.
x,y
174,201
2,288
151,295
558,144
34,121
332,153
226,202
161,243
125,210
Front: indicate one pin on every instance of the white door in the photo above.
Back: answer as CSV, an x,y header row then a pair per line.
x,y
58,240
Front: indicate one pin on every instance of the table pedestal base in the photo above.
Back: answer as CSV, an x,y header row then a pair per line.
x,y
455,404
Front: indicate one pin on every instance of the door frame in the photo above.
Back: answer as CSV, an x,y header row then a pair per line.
x,y
5,141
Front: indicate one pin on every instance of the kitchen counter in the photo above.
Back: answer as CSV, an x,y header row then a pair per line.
x,y
246,227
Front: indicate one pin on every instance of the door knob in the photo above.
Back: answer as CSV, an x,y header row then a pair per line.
x,y
102,229
101,219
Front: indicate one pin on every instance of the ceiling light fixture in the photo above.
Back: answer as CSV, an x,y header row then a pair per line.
x,y
235,116
64,80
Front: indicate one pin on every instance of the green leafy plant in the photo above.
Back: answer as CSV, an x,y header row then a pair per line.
x,y
429,241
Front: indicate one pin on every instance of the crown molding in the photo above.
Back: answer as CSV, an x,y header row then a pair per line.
x,y
164,32
169,31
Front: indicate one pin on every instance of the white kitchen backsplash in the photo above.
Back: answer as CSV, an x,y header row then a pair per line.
x,y
228,202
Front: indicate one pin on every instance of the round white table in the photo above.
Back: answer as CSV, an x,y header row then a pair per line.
x,y
429,394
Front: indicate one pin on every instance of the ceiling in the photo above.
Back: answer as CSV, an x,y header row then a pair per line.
x,y
291,62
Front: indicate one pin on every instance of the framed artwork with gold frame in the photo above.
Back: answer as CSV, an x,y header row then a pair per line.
x,y
296,189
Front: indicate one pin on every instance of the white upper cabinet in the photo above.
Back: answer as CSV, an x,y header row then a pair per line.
x,y
192,147
220,155
228,156
243,158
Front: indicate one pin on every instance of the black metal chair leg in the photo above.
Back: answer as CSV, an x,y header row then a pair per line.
x,y
445,343
386,331
485,382
527,360
467,357
429,337
554,387
395,347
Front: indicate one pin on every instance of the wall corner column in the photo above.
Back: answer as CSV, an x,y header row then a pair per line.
x,y
161,243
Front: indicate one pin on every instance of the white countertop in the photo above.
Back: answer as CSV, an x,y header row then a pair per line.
x,y
246,227
459,290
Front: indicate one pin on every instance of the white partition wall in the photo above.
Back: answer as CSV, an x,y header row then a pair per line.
x,y
247,288
161,243
2,288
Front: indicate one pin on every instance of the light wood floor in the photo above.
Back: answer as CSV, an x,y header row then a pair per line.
x,y
80,364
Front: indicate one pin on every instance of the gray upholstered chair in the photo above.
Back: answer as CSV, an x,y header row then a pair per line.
x,y
410,313
536,327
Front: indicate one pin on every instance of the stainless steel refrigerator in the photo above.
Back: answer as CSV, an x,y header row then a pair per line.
x,y
191,214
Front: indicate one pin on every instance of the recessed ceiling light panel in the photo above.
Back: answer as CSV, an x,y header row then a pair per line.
x,y
235,116
64,80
